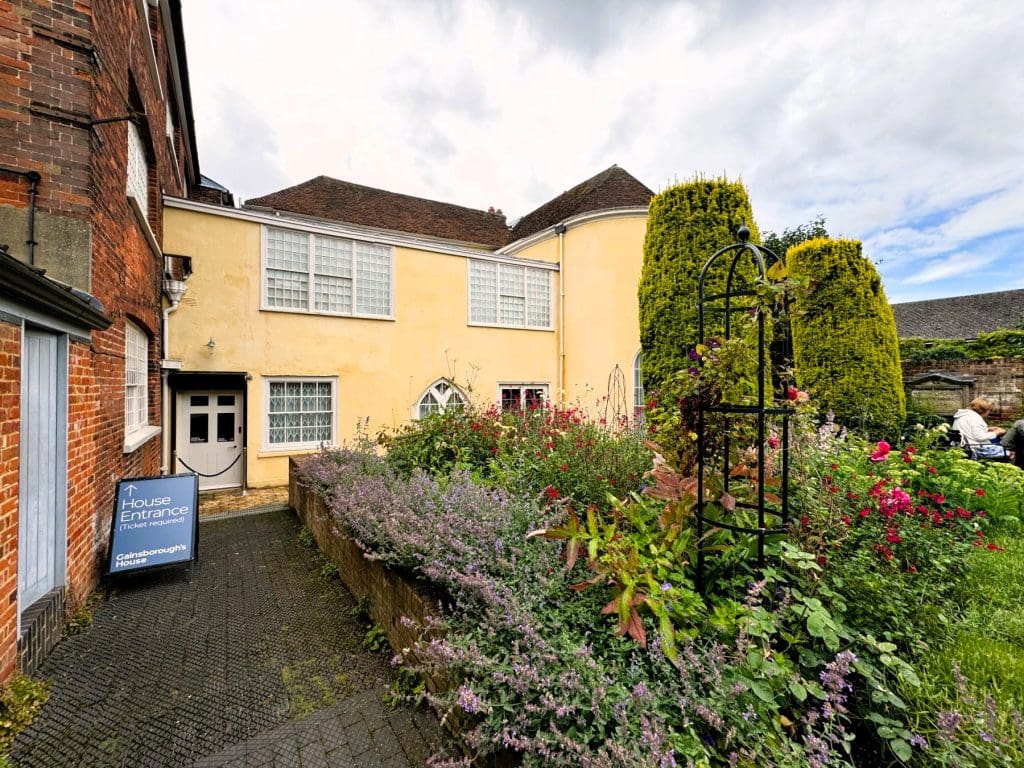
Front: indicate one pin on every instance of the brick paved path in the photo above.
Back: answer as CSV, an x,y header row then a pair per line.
x,y
257,662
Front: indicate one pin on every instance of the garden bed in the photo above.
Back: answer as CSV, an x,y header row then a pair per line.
x,y
557,623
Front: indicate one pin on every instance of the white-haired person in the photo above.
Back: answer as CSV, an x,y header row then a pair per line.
x,y
975,433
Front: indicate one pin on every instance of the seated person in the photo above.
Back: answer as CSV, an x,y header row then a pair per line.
x,y
1013,441
975,433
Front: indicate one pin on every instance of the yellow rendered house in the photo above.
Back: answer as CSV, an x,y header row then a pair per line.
x,y
329,307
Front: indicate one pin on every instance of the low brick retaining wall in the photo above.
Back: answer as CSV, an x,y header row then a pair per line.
x,y
389,594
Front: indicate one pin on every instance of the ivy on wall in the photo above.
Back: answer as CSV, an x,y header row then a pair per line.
x,y
988,346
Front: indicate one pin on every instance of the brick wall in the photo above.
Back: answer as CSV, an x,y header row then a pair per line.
x,y
10,419
71,73
1001,381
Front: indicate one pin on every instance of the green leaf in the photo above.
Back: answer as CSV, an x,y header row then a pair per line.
x,y
901,749
798,690
763,691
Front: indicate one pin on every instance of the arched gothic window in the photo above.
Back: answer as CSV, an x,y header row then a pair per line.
x,y
441,395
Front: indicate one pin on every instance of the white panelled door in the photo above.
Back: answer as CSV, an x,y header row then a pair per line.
x,y
209,438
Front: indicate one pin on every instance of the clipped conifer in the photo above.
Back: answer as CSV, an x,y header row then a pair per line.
x,y
686,224
845,347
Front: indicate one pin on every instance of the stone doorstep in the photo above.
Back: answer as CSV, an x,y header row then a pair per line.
x,y
391,596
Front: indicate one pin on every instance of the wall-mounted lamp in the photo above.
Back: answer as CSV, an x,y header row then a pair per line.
x,y
211,344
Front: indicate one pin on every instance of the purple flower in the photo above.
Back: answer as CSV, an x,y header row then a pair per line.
x,y
666,586
917,740
468,700
694,354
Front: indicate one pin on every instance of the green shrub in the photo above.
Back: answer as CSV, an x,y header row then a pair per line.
x,y
686,225
845,346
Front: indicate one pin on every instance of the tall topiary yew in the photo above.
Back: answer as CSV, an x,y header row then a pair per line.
x,y
845,347
685,226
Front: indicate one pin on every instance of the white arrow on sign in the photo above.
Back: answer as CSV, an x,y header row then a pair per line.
x,y
130,488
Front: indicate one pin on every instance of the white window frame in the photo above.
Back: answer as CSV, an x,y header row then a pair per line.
x,y
639,403
136,366
310,309
443,399
270,447
499,265
137,169
523,385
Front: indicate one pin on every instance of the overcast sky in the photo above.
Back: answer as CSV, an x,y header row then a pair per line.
x,y
901,122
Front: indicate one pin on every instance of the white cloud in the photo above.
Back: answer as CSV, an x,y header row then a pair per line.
x,y
900,122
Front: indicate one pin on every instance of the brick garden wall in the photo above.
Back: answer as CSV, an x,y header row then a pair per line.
x,y
1001,381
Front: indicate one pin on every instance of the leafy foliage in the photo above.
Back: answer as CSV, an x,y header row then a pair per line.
x,y
987,346
574,636
845,346
779,244
686,225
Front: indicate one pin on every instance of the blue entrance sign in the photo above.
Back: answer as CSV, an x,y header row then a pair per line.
x,y
155,522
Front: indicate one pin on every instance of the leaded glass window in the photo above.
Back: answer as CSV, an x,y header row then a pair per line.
x,y
300,412
343,277
510,295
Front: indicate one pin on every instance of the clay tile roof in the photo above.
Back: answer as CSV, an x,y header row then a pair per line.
x,y
959,317
611,188
343,201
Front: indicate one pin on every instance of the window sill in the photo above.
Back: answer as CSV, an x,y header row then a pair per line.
x,y
140,215
472,324
294,450
349,315
139,437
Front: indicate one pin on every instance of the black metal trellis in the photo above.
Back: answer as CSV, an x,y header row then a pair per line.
x,y
772,510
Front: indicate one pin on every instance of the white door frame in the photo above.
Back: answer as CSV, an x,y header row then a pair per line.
x,y
210,437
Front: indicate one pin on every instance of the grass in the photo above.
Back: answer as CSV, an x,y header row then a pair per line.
x,y
988,642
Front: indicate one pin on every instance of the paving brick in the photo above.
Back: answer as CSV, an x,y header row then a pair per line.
x,y
210,671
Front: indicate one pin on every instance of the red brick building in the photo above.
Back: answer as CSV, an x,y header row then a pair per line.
x,y
95,126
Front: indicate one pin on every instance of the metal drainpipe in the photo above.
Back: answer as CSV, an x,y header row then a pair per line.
x,y
33,179
33,187
560,231
165,392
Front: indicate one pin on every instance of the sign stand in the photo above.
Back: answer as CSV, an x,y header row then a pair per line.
x,y
155,524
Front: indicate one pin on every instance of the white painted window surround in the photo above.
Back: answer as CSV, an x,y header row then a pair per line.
x,y
136,384
318,274
440,396
638,387
519,396
301,413
510,295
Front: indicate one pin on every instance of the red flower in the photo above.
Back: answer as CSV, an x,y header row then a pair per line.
x,y
865,512
792,393
881,452
980,492
845,519
563,467
550,492
932,470
805,520
821,559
